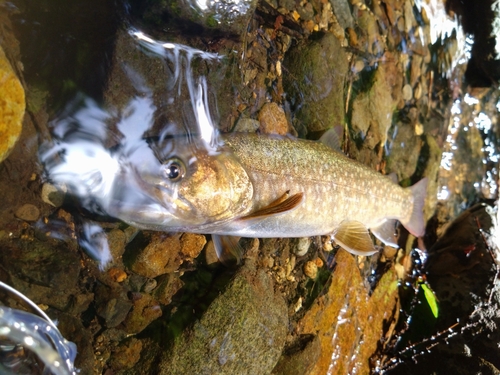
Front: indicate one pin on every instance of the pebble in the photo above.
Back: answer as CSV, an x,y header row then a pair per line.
x,y
246,125
302,247
28,212
272,119
52,195
311,269
407,92
117,275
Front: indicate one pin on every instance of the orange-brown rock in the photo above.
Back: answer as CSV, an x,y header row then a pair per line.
x,y
349,322
12,106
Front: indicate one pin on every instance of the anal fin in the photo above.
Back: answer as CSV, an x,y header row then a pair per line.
x,y
353,236
385,232
282,204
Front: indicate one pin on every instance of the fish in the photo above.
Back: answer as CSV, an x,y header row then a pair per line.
x,y
270,186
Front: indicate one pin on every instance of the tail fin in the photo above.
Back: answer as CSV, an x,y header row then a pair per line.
x,y
415,224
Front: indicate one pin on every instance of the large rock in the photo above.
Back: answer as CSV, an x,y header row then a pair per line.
x,y
12,107
242,332
315,82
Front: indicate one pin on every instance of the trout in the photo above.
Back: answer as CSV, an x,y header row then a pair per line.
x,y
273,186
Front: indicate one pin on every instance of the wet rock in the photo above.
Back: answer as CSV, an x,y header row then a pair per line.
x,y
246,125
192,244
404,152
12,106
407,92
225,15
302,246
114,311
166,288
144,311
126,355
311,269
242,332
315,82
372,110
348,320
28,212
52,195
160,256
116,240
300,357
342,12
272,119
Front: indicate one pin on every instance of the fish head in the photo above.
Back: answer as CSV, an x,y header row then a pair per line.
x,y
194,186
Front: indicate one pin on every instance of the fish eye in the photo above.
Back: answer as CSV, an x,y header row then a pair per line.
x,y
174,169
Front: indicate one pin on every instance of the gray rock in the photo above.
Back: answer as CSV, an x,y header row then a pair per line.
x,y
342,12
315,83
242,332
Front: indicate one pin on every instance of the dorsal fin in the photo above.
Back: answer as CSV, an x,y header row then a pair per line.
x,y
353,236
280,205
333,138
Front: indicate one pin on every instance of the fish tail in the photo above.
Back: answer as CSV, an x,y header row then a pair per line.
x,y
415,224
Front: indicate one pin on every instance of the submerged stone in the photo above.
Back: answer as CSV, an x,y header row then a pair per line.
x,y
315,83
242,332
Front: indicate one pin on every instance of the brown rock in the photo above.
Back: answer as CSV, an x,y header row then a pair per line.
x,y
126,355
272,119
162,255
28,212
144,311
192,244
358,318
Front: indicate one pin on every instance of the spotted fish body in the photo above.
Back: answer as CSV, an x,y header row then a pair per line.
x,y
294,188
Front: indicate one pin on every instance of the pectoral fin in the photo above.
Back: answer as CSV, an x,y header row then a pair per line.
x,y
353,236
282,204
386,232
228,249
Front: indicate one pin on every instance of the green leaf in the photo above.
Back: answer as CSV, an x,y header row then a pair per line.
x,y
431,299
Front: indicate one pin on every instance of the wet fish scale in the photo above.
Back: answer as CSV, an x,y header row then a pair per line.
x,y
339,189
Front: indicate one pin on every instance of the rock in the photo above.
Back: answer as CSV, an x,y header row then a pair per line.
x,y
192,244
162,255
28,212
242,332
407,92
144,311
311,269
246,125
348,320
273,120
116,240
404,152
126,355
299,358
12,106
302,246
114,311
315,82
52,195
372,110
342,13
225,15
